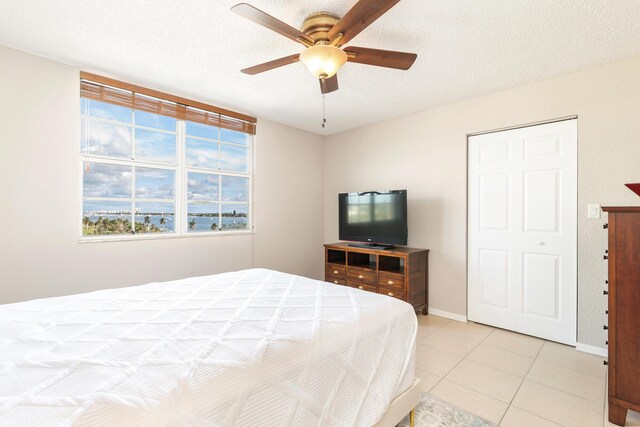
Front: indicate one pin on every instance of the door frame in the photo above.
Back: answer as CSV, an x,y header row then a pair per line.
x,y
526,125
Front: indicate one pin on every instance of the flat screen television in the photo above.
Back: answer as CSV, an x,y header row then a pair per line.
x,y
378,218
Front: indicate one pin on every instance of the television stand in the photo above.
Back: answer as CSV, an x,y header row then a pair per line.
x,y
371,246
398,272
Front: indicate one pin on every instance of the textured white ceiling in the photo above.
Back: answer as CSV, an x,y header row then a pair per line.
x,y
196,48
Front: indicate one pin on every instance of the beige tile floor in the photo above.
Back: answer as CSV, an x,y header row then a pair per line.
x,y
509,378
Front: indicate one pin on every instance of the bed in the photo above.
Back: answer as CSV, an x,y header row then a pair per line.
x,y
254,347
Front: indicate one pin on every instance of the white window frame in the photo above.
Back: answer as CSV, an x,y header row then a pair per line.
x,y
181,168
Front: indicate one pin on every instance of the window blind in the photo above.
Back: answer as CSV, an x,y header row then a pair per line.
x,y
138,98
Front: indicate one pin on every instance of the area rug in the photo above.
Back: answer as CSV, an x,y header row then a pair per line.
x,y
433,412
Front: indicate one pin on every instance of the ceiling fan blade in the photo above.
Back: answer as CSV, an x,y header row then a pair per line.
x,y
380,58
259,17
266,66
329,85
360,17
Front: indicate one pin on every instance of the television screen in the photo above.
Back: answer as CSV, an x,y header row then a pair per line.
x,y
374,217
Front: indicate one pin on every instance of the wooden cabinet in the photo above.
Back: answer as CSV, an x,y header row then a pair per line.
x,y
398,272
624,311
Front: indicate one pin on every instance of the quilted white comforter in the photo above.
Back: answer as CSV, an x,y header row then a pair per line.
x,y
249,348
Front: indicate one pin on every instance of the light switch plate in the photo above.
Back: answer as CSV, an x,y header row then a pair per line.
x,y
593,211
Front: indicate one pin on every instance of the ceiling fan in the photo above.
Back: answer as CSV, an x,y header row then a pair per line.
x,y
323,34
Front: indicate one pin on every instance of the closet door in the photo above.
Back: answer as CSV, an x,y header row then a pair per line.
x,y
522,225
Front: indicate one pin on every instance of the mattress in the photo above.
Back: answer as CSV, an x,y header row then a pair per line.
x,y
248,348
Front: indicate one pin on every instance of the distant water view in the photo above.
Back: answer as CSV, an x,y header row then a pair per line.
x,y
196,223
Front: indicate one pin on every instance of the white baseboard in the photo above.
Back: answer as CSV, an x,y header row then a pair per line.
x,y
598,351
447,315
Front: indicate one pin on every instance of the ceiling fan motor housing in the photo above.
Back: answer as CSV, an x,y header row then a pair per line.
x,y
317,26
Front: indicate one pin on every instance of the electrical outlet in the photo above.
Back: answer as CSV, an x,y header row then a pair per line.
x,y
593,211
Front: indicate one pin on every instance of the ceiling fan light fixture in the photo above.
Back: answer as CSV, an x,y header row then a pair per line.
x,y
323,60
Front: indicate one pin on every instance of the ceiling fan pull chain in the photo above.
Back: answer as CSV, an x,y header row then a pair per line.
x,y
324,114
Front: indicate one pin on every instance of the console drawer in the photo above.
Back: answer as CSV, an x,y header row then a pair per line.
x,y
362,275
392,293
338,271
363,286
335,280
391,281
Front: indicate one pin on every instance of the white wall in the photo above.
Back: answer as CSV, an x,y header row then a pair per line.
x,y
426,153
40,254
289,200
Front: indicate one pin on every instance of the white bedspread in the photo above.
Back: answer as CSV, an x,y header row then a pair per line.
x,y
249,348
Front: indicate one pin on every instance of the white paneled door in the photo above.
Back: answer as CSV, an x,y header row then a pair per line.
x,y
522,272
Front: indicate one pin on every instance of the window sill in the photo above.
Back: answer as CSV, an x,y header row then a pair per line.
x,y
131,237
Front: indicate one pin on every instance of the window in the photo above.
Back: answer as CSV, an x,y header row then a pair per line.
x,y
155,166
217,163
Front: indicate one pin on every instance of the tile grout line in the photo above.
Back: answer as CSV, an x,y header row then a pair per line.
x,y
522,382
454,366
418,341
455,355
515,352
436,330
475,391
500,369
455,335
572,369
563,391
535,415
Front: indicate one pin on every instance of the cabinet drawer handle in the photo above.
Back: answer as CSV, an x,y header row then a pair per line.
x,y
391,294
360,287
335,271
335,281
390,282
360,276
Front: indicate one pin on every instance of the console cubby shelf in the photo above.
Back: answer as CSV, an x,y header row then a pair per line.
x,y
399,272
336,256
362,260
391,264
